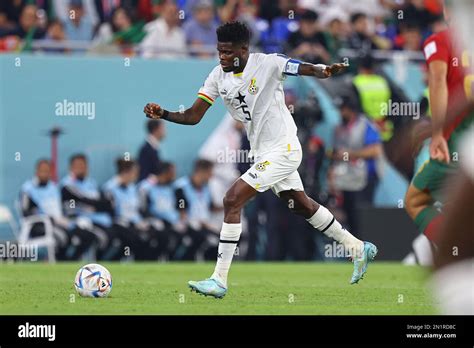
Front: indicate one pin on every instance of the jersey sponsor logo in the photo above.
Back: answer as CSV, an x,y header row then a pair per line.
x,y
430,49
253,89
262,166
224,92
243,105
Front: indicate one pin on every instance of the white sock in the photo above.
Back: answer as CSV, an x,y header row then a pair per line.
x,y
229,238
325,222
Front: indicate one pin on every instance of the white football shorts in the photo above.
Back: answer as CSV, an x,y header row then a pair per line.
x,y
275,170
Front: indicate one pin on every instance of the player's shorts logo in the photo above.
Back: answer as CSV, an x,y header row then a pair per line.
x,y
262,166
253,89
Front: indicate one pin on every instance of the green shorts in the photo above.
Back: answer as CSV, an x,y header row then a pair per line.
x,y
432,174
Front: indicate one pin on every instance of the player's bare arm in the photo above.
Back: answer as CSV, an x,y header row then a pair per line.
x,y
190,116
321,71
438,86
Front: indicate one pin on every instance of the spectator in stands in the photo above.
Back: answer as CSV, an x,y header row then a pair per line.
x,y
285,8
133,230
55,35
165,37
247,13
77,25
308,43
12,9
148,156
27,28
82,199
106,8
200,30
415,11
5,25
357,148
41,196
195,204
62,10
158,203
373,91
362,38
410,38
120,30
335,37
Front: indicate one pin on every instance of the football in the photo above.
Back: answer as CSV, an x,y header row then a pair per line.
x,y
93,280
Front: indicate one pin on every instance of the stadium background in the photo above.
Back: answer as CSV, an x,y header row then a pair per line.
x,y
34,80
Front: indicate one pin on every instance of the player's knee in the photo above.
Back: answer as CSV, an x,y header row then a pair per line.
x,y
230,201
415,201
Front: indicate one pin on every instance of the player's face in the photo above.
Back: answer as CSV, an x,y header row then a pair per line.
x,y
206,176
79,168
43,172
230,56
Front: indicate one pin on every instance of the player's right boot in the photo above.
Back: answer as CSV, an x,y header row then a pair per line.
x,y
208,287
361,263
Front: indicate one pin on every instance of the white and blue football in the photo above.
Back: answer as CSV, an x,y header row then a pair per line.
x,y
93,280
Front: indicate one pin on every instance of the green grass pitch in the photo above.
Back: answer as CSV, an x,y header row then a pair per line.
x,y
255,288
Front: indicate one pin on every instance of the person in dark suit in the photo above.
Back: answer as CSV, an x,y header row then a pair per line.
x,y
148,157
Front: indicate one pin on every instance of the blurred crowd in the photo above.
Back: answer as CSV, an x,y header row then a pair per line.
x,y
314,30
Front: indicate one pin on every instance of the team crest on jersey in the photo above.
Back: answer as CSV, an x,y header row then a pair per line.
x,y
253,89
262,166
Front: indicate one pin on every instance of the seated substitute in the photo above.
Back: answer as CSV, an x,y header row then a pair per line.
x,y
158,202
194,201
82,199
134,231
40,195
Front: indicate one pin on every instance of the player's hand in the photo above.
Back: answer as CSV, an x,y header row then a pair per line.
x,y
335,69
439,149
153,111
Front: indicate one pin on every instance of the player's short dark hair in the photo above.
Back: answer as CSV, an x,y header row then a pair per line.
x,y
77,156
153,125
357,16
202,165
164,167
235,32
41,161
124,166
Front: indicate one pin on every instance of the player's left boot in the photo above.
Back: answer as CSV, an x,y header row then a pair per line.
x,y
208,287
361,263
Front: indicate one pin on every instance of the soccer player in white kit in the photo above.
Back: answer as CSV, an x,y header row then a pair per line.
x,y
251,86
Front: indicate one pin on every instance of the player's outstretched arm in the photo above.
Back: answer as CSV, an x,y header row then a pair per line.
x,y
189,116
321,71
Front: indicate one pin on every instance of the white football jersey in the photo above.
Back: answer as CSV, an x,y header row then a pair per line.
x,y
256,98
